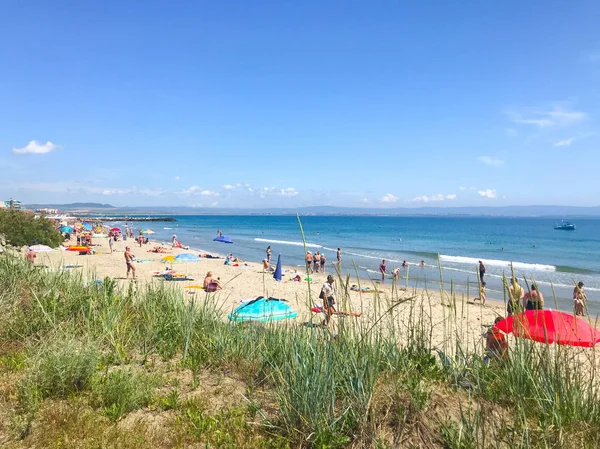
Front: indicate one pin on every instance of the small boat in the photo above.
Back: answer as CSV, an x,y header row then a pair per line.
x,y
565,226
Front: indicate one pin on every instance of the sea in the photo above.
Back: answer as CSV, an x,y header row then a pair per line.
x,y
450,248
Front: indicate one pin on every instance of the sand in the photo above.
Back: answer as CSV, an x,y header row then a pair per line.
x,y
450,320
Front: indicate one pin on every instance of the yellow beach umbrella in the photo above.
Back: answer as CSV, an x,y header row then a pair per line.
x,y
168,259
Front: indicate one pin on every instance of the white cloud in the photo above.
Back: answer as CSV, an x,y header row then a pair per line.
x,y
564,143
436,197
489,160
389,198
207,192
228,187
35,147
365,201
488,193
290,191
177,178
111,192
557,116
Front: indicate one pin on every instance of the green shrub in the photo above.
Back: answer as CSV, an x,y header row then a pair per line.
x,y
21,228
60,369
122,391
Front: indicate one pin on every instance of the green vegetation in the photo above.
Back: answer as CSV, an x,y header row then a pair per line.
x,y
21,228
88,366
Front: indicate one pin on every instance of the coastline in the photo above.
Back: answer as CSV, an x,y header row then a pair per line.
x,y
249,280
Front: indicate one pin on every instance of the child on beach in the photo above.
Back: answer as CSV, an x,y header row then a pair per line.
x,y
481,293
496,346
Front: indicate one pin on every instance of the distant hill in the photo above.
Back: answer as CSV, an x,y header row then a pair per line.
x,y
70,206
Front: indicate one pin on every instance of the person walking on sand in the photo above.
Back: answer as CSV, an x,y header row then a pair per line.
x,y
268,254
309,259
579,299
111,243
129,261
481,293
328,299
322,260
382,268
174,240
481,270
339,256
515,296
316,262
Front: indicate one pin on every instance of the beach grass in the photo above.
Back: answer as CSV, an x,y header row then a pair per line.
x,y
101,365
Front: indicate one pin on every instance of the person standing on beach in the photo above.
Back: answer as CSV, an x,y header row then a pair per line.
x,y
129,262
322,261
173,240
579,298
382,268
339,256
481,270
328,299
268,254
515,295
533,300
316,262
396,274
309,259
110,243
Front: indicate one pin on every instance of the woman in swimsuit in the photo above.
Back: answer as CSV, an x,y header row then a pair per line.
x,y
382,269
579,299
269,254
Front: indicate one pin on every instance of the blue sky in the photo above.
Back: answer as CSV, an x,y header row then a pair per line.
x,y
278,103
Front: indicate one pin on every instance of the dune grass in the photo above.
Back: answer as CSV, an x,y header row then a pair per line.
x,y
102,356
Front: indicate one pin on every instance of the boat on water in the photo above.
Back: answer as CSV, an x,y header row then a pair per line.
x,y
565,226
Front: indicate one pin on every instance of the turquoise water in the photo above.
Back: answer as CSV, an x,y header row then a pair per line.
x,y
536,249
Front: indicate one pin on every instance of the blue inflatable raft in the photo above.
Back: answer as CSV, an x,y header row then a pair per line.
x,y
223,239
263,309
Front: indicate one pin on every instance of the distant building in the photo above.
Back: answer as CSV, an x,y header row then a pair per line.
x,y
12,204
47,211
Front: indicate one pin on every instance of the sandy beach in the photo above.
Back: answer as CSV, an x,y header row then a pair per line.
x,y
448,319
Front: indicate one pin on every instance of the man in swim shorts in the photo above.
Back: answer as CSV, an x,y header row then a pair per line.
x,y
129,262
339,256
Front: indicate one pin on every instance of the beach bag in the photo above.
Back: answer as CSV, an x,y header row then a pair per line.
x,y
322,295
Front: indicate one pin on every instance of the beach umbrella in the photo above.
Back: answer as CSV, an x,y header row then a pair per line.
x,y
277,274
115,229
40,248
147,231
186,257
66,229
223,239
87,226
550,326
167,259
263,309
